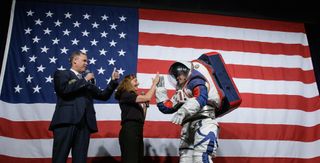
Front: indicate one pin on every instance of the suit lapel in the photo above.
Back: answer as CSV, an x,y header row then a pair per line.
x,y
73,75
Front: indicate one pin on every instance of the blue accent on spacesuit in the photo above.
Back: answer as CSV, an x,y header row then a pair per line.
x,y
164,109
203,96
212,140
196,79
225,85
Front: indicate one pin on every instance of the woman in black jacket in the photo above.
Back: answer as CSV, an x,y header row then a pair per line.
x,y
133,112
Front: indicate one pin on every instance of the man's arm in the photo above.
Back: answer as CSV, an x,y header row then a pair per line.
x,y
106,93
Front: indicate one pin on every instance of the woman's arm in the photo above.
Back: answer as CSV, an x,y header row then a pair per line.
x,y
147,97
144,107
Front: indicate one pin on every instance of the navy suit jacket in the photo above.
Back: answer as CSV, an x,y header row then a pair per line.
x,y
75,99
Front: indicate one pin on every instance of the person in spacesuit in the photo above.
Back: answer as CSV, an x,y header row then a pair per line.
x,y
193,103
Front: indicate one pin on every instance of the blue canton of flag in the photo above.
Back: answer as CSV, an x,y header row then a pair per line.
x,y
44,36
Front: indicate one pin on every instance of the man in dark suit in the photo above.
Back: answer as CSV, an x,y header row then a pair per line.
x,y
74,118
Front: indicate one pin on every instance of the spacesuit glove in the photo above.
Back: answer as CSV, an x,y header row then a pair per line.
x,y
161,94
179,116
161,82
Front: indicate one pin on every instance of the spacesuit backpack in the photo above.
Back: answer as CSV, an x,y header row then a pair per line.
x,y
222,90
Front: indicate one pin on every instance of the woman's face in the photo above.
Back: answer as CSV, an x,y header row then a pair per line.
x,y
135,83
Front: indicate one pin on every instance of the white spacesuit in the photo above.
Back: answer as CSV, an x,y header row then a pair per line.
x,y
194,103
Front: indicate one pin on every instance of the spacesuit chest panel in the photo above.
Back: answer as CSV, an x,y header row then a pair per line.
x,y
191,83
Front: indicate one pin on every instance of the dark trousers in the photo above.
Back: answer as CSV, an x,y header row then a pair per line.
x,y
75,137
131,142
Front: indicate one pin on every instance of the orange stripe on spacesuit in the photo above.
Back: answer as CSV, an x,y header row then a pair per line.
x,y
168,104
196,92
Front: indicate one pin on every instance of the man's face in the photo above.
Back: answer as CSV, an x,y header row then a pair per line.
x,y
181,79
80,63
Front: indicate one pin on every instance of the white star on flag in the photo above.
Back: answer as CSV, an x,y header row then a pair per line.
x,y
41,68
33,58
44,49
104,17
75,41
122,35
92,61
121,52
86,16
22,69
101,70
55,41
28,31
25,48
53,59
66,32
112,43
84,50
47,31
64,50
17,88
94,42
57,23
122,18
30,13
68,15
36,39
111,61
103,52
85,33
38,22
76,24
49,79
113,26
49,14
95,25
36,89
29,78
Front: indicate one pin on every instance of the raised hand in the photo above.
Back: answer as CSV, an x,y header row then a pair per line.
x,y
115,74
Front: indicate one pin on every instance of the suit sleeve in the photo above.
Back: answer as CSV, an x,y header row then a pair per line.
x,y
103,94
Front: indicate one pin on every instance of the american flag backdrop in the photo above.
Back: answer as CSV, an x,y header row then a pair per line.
x,y
277,121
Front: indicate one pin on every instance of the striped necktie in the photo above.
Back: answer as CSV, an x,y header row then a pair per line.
x,y
79,76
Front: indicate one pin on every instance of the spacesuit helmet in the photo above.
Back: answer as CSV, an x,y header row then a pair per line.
x,y
177,69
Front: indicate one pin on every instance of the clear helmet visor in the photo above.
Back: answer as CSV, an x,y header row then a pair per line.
x,y
172,81
177,69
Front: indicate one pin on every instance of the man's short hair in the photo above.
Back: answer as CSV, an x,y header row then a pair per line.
x,y
74,54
